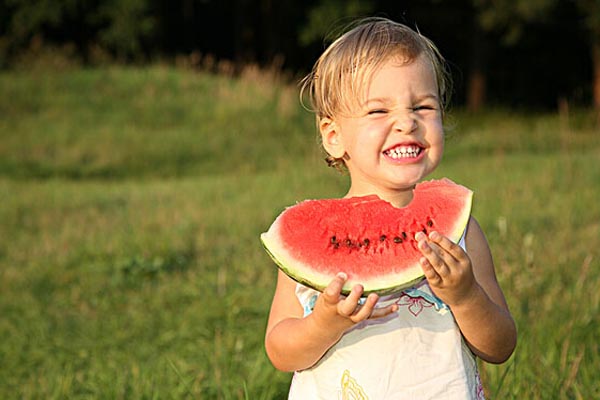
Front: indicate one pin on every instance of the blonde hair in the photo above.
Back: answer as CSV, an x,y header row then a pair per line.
x,y
339,78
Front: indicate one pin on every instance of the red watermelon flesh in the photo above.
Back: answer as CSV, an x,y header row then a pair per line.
x,y
365,237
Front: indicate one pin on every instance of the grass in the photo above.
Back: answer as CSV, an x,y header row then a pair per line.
x,y
132,200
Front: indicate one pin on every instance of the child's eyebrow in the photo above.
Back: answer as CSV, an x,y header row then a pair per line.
x,y
427,96
388,100
378,101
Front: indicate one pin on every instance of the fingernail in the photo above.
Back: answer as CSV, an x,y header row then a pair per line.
x,y
434,235
342,275
419,235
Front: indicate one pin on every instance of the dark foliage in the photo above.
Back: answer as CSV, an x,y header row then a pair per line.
x,y
532,57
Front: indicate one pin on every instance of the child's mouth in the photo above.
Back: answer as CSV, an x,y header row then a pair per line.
x,y
403,152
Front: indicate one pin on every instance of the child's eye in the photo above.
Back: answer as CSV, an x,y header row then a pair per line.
x,y
377,111
423,107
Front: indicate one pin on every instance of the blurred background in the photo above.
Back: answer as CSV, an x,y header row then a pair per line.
x,y
509,52
146,144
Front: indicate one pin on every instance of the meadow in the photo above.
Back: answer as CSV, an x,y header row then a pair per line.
x,y
131,204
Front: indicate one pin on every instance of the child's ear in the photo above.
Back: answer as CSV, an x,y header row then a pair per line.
x,y
331,137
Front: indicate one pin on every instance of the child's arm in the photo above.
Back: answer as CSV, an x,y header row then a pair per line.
x,y
467,283
294,342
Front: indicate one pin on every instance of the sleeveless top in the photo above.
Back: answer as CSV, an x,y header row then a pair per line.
x,y
416,353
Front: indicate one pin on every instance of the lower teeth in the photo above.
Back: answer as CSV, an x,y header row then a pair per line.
x,y
403,155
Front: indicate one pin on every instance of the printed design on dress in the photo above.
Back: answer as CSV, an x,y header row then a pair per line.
x,y
415,304
416,300
351,390
480,393
310,305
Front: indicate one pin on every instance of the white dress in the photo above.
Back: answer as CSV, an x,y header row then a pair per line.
x,y
416,353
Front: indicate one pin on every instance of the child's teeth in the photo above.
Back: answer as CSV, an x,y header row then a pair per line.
x,y
404,152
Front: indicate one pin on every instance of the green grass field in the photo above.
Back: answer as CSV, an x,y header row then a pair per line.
x,y
131,205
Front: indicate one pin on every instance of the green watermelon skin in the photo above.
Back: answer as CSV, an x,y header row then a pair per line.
x,y
365,237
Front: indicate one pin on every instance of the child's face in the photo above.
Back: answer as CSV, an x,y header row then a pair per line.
x,y
396,137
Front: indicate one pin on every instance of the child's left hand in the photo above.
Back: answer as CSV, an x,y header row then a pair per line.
x,y
447,267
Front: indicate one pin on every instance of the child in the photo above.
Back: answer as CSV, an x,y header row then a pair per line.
x,y
379,93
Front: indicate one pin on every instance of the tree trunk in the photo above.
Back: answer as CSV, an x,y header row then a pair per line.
x,y
476,90
596,73
476,82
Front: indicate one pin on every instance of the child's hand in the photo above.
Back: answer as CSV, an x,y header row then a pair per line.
x,y
447,268
339,313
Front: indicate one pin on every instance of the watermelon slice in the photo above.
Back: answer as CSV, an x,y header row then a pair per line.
x,y
367,238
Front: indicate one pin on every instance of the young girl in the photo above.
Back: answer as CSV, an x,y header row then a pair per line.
x,y
379,94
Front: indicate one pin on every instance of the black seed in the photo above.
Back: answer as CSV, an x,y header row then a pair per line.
x,y
382,238
366,242
336,245
333,240
348,242
404,235
424,231
397,239
429,223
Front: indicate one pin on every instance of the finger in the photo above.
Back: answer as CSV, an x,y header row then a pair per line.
x,y
350,304
419,236
364,311
383,311
430,273
332,292
451,248
435,260
439,247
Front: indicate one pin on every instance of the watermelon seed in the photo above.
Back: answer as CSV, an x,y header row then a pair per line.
x,y
404,235
424,231
333,240
366,242
397,239
429,223
382,238
348,242
336,245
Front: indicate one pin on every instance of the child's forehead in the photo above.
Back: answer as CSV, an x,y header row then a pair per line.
x,y
364,77
399,66
364,71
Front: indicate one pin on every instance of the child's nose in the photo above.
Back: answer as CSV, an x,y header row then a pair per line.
x,y
405,123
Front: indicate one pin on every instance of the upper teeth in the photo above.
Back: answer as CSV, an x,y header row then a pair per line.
x,y
404,151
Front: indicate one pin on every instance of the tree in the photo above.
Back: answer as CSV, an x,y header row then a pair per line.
x,y
125,25
507,18
24,20
120,27
327,14
590,11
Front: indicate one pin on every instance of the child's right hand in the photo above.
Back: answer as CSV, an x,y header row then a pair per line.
x,y
295,342
339,313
